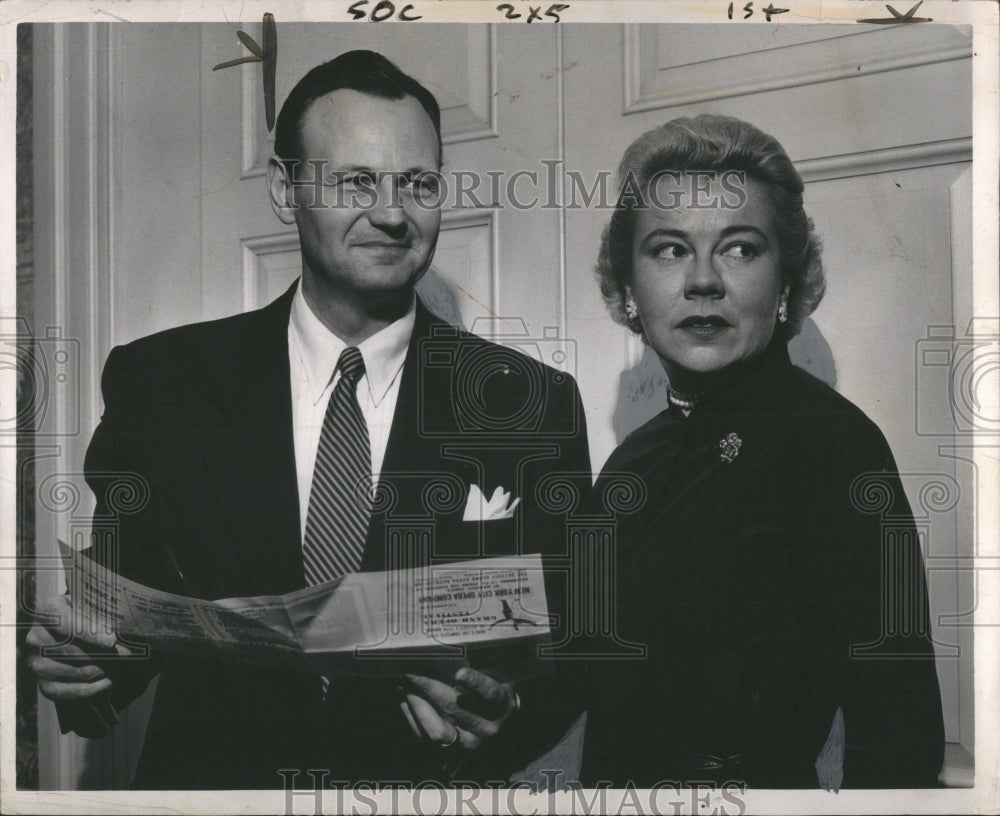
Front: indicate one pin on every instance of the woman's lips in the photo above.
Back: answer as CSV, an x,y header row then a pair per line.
x,y
704,326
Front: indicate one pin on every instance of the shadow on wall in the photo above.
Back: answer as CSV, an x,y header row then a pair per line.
x,y
439,298
642,390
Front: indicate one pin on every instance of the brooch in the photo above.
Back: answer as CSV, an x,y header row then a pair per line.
x,y
729,447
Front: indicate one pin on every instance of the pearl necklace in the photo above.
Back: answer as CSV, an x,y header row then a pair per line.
x,y
683,401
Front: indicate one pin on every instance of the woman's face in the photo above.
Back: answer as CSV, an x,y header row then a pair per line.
x,y
706,274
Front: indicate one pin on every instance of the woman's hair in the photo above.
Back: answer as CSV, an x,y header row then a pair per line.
x,y
716,143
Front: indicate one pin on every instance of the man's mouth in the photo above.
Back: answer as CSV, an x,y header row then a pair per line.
x,y
384,245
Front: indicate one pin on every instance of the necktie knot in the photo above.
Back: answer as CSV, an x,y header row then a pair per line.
x,y
351,365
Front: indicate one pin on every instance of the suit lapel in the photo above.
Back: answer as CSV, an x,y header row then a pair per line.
x,y
250,453
414,462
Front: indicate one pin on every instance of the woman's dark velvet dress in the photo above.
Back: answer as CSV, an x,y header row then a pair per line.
x,y
769,590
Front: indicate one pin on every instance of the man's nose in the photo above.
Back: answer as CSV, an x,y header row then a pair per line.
x,y
703,278
387,211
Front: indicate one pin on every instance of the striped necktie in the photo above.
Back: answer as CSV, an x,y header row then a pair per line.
x,y
340,497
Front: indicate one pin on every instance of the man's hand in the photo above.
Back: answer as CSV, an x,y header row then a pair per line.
x,y
462,715
68,673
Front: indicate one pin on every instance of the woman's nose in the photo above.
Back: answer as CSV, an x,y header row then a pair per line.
x,y
703,279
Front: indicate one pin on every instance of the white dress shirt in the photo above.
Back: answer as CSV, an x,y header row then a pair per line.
x,y
313,351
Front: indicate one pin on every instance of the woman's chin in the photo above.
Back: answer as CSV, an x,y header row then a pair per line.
x,y
694,368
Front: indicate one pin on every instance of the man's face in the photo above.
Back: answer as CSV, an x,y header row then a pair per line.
x,y
374,233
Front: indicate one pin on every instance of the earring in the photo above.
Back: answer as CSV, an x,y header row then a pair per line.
x,y
783,312
631,309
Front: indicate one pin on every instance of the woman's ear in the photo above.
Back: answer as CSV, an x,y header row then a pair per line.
x,y
279,186
783,303
786,289
631,307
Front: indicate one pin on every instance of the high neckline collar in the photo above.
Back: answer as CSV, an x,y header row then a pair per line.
x,y
742,383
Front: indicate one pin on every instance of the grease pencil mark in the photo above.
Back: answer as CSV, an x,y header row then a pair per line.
x,y
898,18
266,54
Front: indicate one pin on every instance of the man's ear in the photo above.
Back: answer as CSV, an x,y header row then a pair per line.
x,y
279,186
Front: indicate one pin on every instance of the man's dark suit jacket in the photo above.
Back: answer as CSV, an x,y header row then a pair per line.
x,y
203,414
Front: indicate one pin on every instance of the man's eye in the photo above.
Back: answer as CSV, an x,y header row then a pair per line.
x,y
353,179
741,251
422,184
427,186
362,179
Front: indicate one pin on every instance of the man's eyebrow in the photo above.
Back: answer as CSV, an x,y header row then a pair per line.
x,y
351,168
360,168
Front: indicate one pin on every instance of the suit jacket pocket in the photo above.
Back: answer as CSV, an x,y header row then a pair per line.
x,y
457,540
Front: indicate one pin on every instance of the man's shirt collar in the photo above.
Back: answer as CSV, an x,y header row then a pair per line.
x,y
319,349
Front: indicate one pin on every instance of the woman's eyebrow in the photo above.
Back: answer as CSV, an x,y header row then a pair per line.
x,y
671,232
743,228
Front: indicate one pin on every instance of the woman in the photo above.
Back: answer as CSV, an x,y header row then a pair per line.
x,y
773,572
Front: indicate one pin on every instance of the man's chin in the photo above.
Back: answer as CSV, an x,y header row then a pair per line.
x,y
388,294
392,284
375,283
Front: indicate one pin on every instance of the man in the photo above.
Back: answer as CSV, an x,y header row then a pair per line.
x,y
254,432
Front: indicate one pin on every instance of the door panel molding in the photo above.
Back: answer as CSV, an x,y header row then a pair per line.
x,y
264,258
886,160
651,84
466,260
77,108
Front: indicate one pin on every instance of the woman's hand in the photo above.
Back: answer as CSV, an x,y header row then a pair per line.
x,y
462,715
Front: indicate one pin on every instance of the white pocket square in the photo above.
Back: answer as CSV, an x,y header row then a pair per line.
x,y
478,509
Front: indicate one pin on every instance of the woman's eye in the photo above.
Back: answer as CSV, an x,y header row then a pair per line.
x,y
670,252
741,251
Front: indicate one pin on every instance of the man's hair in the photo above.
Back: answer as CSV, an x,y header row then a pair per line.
x,y
719,143
364,71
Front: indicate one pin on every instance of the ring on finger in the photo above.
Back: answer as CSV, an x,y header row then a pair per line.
x,y
450,743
